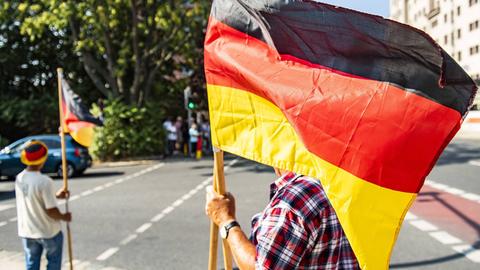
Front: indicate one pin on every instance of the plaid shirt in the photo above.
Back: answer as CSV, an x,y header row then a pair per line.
x,y
299,229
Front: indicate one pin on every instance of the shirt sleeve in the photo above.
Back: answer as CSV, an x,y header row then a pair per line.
x,y
282,240
48,195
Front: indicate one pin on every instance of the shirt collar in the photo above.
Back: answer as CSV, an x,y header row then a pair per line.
x,y
281,182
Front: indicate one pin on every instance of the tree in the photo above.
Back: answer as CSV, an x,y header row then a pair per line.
x,y
28,86
126,47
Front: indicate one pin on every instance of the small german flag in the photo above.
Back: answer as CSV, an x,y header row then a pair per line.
x,y
79,122
362,103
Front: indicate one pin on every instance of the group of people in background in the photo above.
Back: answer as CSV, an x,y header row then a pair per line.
x,y
187,137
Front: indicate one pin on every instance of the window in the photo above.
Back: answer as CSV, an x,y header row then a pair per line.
x,y
445,18
459,33
445,39
434,23
52,144
452,38
474,25
459,11
459,56
474,50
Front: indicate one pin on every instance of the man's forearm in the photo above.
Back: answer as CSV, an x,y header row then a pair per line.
x,y
56,214
243,250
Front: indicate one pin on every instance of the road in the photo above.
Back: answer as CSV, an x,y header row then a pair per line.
x,y
151,216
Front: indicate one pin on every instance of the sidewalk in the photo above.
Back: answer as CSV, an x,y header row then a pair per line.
x,y
15,261
470,127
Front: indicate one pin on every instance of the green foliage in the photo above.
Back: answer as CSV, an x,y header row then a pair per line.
x,y
3,142
128,132
126,47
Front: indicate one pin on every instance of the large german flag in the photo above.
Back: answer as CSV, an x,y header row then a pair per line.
x,y
362,103
79,122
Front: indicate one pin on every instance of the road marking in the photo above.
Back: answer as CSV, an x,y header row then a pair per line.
x,y
4,207
424,225
3,223
157,217
103,186
410,216
470,252
454,191
474,162
445,238
107,254
144,227
128,239
13,219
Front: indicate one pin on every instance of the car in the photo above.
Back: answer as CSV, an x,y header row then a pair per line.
x,y
78,158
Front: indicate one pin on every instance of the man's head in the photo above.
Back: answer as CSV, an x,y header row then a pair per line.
x,y
34,155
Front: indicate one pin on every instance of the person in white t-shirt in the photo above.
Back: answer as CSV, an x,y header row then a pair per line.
x,y
37,211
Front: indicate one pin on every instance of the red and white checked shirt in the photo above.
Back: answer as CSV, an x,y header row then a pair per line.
x,y
299,229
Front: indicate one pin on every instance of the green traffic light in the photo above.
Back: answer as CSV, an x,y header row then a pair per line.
x,y
191,105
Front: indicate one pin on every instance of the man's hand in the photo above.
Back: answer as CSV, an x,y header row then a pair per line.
x,y
62,194
219,208
67,217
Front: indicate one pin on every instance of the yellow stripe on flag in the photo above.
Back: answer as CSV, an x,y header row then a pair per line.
x,y
252,127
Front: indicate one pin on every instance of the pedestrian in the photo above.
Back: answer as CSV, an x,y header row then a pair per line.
x,y
178,129
205,130
194,133
297,230
171,136
38,215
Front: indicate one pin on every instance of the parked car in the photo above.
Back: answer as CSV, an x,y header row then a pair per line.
x,y
78,158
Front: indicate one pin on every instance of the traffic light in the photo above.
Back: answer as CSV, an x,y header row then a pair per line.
x,y
191,103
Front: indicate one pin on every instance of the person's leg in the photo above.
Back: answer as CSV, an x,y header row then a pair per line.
x,y
33,253
54,250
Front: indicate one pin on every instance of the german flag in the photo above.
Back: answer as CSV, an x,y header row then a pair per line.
x,y
79,122
362,103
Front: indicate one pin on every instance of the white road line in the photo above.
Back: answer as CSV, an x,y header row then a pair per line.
x,y
167,210
3,223
13,219
128,239
177,203
470,252
86,193
474,162
143,228
423,225
107,254
445,238
410,216
454,191
157,217
98,188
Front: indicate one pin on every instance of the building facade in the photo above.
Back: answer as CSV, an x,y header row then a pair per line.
x,y
455,26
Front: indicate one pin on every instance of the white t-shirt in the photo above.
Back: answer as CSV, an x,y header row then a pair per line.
x,y
35,194
171,130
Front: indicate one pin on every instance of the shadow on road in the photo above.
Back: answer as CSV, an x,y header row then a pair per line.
x,y
92,175
436,196
458,153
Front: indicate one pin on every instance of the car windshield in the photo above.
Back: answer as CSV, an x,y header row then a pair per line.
x,y
14,147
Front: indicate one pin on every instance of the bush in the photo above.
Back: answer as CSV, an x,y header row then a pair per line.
x,y
128,132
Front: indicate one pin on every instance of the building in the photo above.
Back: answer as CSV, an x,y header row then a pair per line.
x,y
455,26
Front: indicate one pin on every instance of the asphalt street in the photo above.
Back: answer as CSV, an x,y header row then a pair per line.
x,y
151,216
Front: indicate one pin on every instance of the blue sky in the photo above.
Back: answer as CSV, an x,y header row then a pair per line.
x,y
378,7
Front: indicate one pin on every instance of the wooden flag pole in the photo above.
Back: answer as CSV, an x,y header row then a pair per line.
x,y
64,162
219,188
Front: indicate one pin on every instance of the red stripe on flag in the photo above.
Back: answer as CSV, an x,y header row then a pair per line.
x,y
375,130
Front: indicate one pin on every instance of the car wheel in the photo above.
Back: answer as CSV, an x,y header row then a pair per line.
x,y
70,170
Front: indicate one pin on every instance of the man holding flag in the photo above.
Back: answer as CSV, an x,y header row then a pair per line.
x,y
37,210
297,230
363,104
